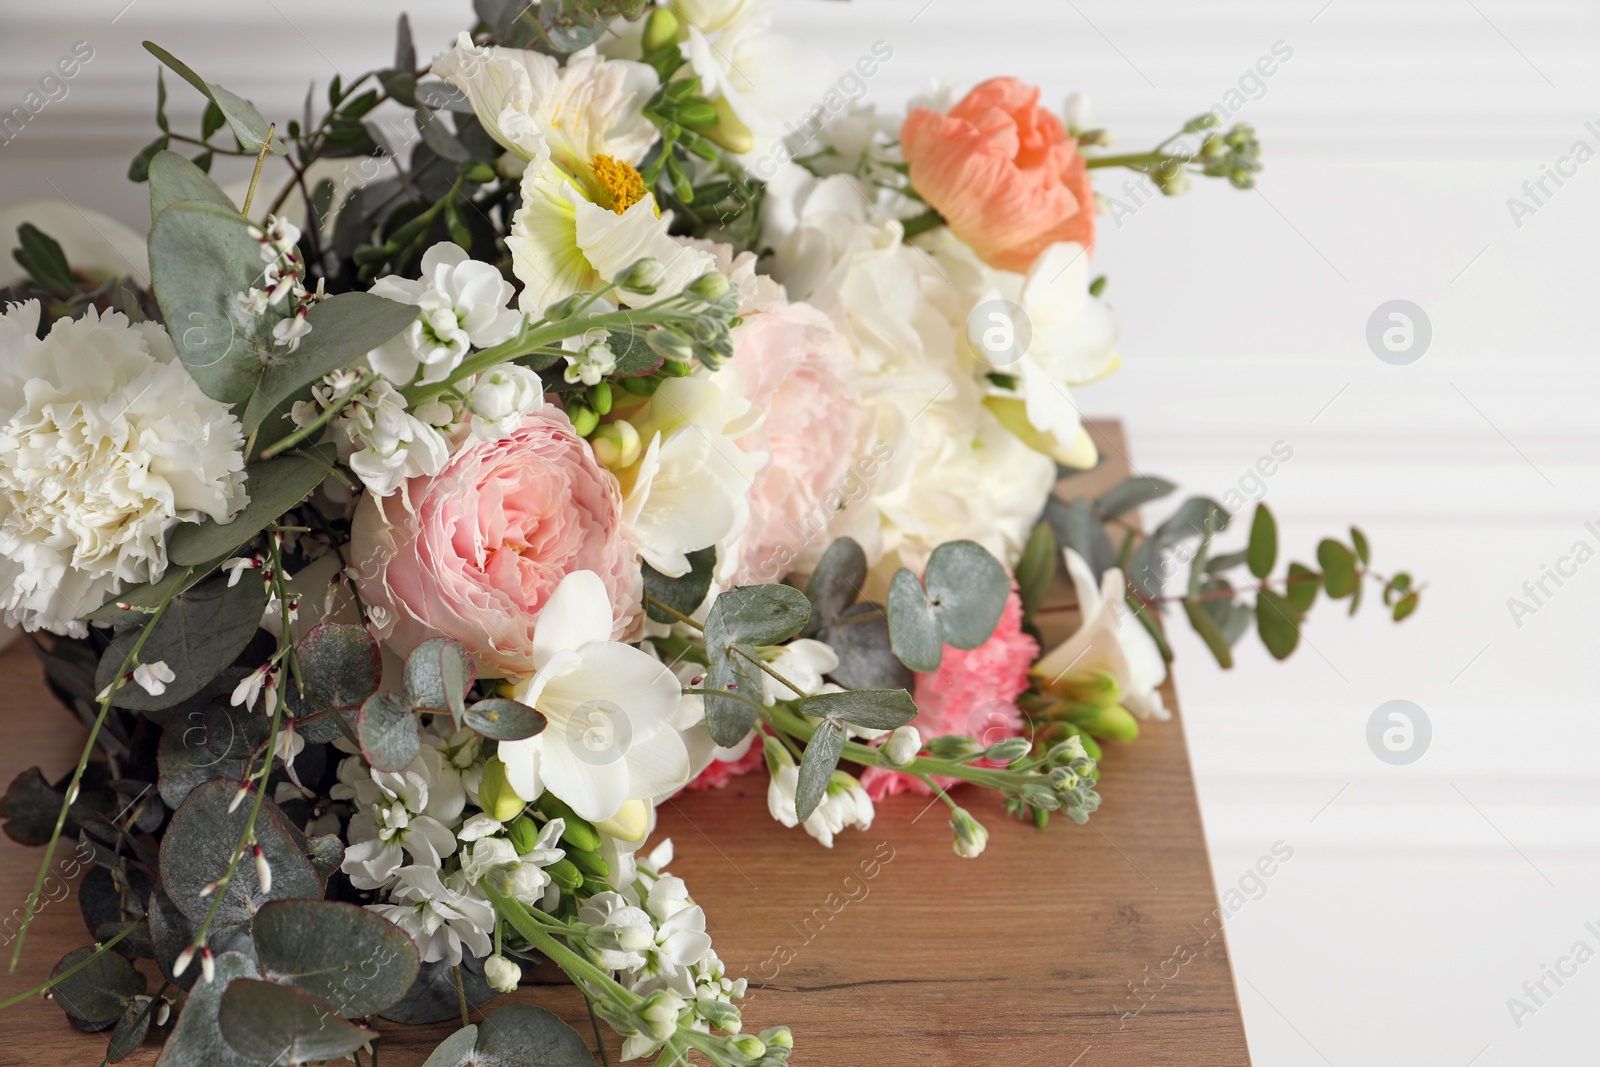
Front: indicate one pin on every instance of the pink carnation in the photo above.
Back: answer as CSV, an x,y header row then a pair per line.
x,y
797,368
719,773
474,551
973,693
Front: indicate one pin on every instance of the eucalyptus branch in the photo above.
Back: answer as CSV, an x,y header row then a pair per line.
x,y
56,979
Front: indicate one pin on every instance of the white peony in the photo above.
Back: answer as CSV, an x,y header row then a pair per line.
x,y
463,305
106,444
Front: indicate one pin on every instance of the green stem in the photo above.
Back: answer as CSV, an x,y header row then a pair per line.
x,y
326,416
1131,159
127,664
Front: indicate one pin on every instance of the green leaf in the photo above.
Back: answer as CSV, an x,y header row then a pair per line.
x,y
860,638
196,1040
405,53
1302,587
1263,551
139,166
130,1031
432,998
514,1035
1077,528
1209,632
40,255
201,634
741,619
30,807
275,1024
1227,561
958,603
343,329
211,120
836,583
174,179
874,709
503,720
161,100
1131,493
816,767
1231,617
438,674
1338,568
1396,587
436,135
275,485
1037,568
208,738
685,593
389,732
202,836
1405,606
99,993
354,959
1363,549
1196,517
341,665
144,599
1277,622
246,122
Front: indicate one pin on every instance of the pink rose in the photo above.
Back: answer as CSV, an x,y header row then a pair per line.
x,y
1003,173
973,693
797,368
474,551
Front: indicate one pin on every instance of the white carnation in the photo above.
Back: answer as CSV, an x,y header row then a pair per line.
x,y
106,444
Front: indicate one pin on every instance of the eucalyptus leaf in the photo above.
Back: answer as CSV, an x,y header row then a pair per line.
x,y
958,602
208,739
275,486
1078,528
817,765
1405,606
201,634
438,674
1277,622
278,1024
514,1035
913,626
432,997
355,960
873,709
442,96
96,994
245,121
1131,493
196,1039
741,619
503,720
1209,632
1363,549
40,255
1036,569
341,665
1339,575
130,1031
1301,589
199,841
174,178
836,583
860,638
1262,554
1197,517
389,732
1226,561
683,594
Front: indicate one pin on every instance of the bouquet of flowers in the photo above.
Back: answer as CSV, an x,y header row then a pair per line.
x,y
600,434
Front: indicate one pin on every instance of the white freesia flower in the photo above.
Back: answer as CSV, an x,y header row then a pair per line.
x,y
690,488
464,305
411,811
106,444
844,804
609,708
540,110
441,915
500,397
572,236
759,79
1109,639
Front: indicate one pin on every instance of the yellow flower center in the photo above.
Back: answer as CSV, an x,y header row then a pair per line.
x,y
619,185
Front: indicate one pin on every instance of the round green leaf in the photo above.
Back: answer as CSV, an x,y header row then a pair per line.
x,y
201,838
355,960
913,626
1405,606
389,733
516,1035
1277,622
685,593
1262,555
967,589
438,674
341,664
96,994
196,1040
1338,568
277,1024
503,720
836,583
1302,587
130,1031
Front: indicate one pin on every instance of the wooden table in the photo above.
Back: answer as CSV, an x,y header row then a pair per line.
x,y
1070,947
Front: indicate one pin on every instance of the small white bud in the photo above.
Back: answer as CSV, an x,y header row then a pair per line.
x,y
181,964
502,974
163,1012
208,965
263,869
903,746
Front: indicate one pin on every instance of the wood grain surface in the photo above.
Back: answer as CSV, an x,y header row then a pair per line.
x,y
1074,946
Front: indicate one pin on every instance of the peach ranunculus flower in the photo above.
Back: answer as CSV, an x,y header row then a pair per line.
x,y
1003,173
474,551
797,368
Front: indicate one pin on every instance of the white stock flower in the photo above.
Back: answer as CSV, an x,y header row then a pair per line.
x,y
464,304
441,915
630,929
844,804
153,677
384,443
411,811
609,710
106,444
1109,639
540,110
803,661
690,488
500,397
501,974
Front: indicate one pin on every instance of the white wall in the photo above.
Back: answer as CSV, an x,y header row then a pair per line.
x,y
1420,897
